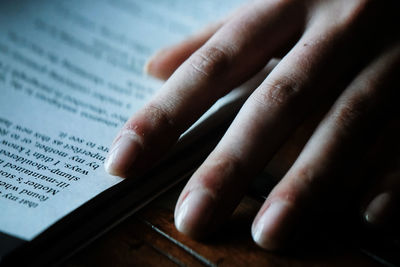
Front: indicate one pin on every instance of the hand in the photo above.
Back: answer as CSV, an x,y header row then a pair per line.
x,y
339,55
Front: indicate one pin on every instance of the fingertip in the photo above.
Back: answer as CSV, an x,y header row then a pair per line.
x,y
194,213
157,66
379,208
272,227
147,66
123,154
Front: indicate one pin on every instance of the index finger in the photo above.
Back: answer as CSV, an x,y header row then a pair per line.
x,y
237,51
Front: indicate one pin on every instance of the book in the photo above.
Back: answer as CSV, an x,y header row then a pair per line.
x,y
70,76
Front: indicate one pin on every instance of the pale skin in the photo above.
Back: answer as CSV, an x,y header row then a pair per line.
x,y
339,55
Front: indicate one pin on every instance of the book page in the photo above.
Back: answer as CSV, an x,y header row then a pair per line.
x,y
70,76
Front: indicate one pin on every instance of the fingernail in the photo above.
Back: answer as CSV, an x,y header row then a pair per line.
x,y
270,230
148,66
378,209
123,153
194,213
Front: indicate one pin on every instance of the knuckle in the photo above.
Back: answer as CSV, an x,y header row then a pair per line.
x,y
151,119
160,116
348,113
135,125
216,174
288,196
277,92
209,61
305,178
303,184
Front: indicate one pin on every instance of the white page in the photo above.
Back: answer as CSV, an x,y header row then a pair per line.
x,y
70,75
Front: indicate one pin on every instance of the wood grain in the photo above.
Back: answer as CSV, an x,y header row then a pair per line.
x,y
149,238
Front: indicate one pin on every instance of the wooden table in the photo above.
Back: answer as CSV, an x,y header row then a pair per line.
x,y
149,238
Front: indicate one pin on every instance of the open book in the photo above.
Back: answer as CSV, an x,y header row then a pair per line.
x,y
70,76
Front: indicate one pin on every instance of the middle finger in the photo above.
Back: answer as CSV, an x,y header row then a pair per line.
x,y
283,100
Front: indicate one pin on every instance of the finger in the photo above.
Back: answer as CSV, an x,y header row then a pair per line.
x,y
236,52
331,152
264,122
383,206
383,199
164,62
